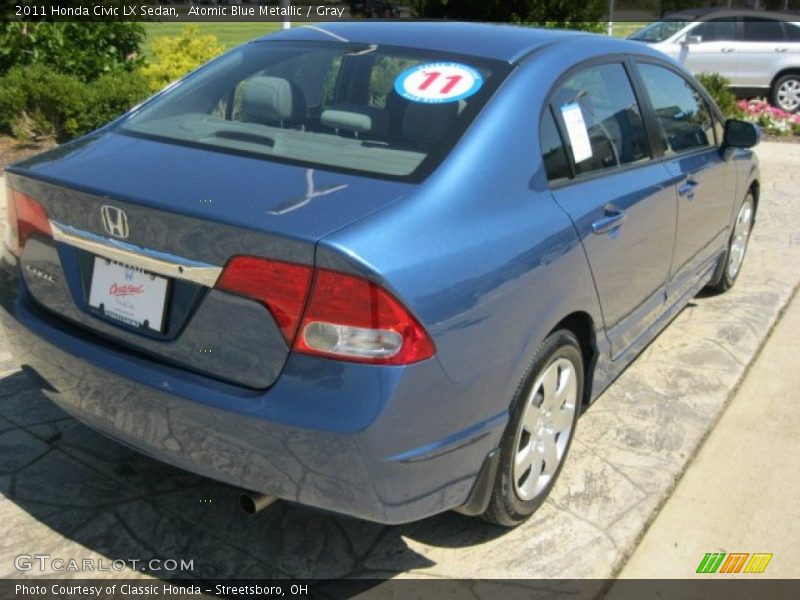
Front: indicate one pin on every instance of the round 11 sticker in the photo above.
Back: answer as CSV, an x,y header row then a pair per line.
x,y
435,83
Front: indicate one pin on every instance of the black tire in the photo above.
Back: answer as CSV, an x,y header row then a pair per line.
x,y
792,80
507,507
725,277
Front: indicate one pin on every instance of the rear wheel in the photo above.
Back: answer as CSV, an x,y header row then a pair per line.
x,y
785,93
543,418
731,264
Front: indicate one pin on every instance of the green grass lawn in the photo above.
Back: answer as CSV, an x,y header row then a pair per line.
x,y
228,34
625,28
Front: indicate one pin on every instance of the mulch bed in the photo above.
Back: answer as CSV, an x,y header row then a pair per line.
x,y
786,139
12,150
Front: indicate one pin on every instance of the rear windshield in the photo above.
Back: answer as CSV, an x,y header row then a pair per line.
x,y
380,110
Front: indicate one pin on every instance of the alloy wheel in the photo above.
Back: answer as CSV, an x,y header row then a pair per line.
x,y
741,235
545,428
788,95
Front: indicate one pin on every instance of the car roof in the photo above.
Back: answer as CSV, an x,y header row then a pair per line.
x,y
501,42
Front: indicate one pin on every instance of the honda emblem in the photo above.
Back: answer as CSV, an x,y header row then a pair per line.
x,y
115,221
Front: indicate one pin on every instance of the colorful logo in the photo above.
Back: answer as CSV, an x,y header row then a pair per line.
x,y
438,83
734,562
126,289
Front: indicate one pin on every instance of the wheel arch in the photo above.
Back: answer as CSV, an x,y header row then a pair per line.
x,y
582,326
792,70
782,73
755,189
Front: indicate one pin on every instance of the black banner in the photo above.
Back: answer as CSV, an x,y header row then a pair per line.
x,y
705,588
253,11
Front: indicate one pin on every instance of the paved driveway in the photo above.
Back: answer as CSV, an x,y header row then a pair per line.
x,y
71,493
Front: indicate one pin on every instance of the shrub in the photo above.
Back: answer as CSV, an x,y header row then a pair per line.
x,y
31,129
111,95
174,57
718,88
11,100
37,102
61,80
85,50
41,103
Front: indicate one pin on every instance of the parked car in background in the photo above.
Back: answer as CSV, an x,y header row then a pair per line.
x,y
758,52
376,268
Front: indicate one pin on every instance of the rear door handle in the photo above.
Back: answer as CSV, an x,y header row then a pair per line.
x,y
613,219
688,187
728,50
781,49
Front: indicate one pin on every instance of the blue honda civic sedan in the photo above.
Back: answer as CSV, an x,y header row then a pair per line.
x,y
378,269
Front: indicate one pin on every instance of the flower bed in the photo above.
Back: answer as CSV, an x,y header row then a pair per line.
x,y
772,120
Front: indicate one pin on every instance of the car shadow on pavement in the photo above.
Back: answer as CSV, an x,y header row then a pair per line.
x,y
95,498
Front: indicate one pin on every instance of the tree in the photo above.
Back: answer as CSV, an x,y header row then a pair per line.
x,y
552,13
86,50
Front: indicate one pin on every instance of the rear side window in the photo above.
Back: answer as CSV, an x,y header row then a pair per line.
x,y
683,117
556,163
601,119
792,32
761,30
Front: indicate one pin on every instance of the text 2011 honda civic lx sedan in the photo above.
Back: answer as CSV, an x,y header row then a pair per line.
x,y
378,268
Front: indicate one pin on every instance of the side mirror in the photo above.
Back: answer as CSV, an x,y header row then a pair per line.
x,y
692,39
741,134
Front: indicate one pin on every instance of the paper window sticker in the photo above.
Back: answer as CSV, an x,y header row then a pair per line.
x,y
576,131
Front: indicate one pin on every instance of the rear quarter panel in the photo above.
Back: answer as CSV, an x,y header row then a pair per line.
x,y
481,253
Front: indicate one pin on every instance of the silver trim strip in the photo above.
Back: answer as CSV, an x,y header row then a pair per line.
x,y
153,261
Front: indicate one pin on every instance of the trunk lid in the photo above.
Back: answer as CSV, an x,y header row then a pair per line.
x,y
201,206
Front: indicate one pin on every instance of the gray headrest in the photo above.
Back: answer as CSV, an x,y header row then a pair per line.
x,y
425,124
267,99
356,118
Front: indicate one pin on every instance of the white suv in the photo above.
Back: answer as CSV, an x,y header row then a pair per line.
x,y
759,52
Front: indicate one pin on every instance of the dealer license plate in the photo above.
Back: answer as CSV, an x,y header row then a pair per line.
x,y
128,294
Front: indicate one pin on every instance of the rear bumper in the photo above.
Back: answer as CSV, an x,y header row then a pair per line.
x,y
388,444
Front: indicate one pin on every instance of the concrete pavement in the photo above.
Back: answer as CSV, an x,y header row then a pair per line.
x,y
70,492
742,491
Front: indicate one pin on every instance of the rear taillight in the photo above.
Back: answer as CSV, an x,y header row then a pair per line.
x,y
282,287
25,217
345,317
354,319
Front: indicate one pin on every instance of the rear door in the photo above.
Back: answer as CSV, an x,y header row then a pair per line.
x,y
597,154
760,50
716,51
690,138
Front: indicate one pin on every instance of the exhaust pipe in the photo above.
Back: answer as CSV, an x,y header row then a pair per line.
x,y
253,503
